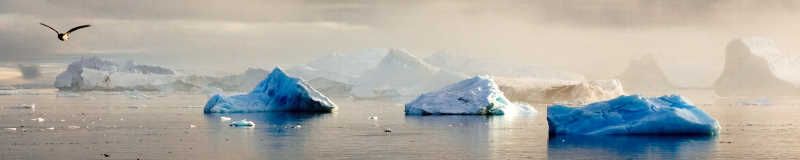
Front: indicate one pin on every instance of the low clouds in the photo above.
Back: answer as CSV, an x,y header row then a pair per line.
x,y
585,33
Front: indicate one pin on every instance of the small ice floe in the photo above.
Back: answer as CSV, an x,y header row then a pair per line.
x,y
297,126
137,106
192,126
756,102
40,119
62,120
51,128
373,117
223,118
24,106
243,123
68,94
11,129
73,127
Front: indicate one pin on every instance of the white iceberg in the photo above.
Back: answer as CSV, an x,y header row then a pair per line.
x,y
632,115
242,123
645,74
756,67
400,74
278,92
99,74
474,96
543,91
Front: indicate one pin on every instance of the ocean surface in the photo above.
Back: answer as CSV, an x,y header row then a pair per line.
x,y
149,125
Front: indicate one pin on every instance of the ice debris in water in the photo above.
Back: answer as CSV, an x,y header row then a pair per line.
x,y
223,118
192,126
243,123
11,129
40,119
73,127
373,117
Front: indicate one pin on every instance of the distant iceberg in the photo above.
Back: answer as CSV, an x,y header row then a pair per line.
x,y
341,67
241,82
278,92
475,96
645,74
400,74
543,91
93,73
755,66
632,115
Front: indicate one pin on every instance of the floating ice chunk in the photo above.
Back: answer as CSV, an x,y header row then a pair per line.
x,y
192,126
24,106
243,123
758,102
40,119
11,129
373,117
73,127
224,118
51,128
632,115
278,92
478,95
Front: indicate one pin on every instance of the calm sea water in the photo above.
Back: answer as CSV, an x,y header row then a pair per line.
x,y
172,126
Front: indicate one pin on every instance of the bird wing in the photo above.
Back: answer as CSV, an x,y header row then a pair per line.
x,y
49,27
77,28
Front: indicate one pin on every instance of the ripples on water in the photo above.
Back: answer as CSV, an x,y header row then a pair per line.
x,y
160,128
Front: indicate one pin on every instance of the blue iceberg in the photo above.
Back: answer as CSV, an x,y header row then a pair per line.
x,y
632,115
279,92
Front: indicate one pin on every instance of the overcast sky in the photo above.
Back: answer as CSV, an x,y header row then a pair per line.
x,y
593,37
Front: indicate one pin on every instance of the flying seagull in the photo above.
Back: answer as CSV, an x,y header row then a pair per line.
x,y
65,36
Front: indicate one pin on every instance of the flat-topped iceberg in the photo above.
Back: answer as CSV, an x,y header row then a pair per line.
x,y
544,91
632,115
474,96
94,73
278,92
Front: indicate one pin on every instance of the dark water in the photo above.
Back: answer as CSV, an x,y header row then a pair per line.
x,y
160,128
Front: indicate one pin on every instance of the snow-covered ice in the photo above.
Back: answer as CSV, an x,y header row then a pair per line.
x,y
243,123
544,91
478,95
754,66
632,115
400,74
224,118
94,73
278,92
